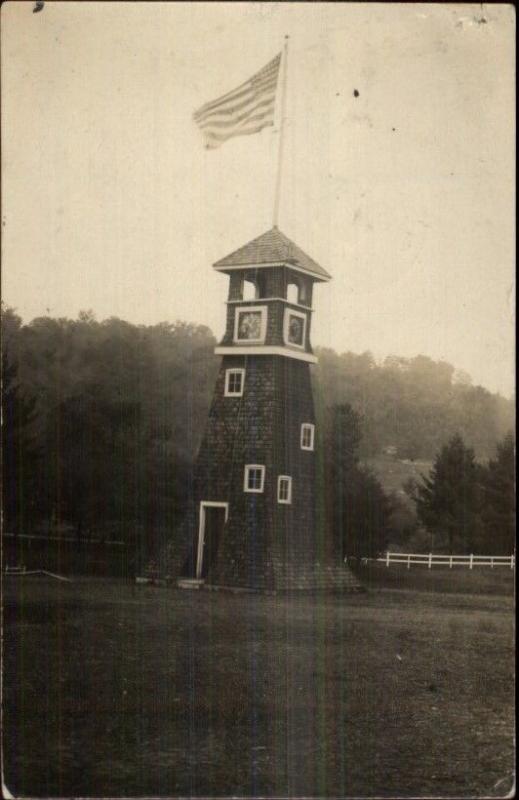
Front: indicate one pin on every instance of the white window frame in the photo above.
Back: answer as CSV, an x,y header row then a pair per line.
x,y
307,426
292,312
228,373
248,468
287,478
263,331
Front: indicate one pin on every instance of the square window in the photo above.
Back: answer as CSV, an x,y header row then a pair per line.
x,y
254,478
307,436
234,382
285,489
294,328
250,324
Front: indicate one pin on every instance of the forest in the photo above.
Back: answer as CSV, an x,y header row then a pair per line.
x,y
102,421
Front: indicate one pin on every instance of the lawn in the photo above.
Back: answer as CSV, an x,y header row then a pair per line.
x,y
112,689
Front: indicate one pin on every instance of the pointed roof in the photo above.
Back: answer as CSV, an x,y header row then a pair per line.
x,y
270,249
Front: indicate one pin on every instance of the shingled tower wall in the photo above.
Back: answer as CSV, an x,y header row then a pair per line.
x,y
252,520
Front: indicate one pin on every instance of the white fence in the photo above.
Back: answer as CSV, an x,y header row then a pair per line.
x,y
438,560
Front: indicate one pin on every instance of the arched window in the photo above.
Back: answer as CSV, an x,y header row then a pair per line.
x,y
250,289
303,292
293,292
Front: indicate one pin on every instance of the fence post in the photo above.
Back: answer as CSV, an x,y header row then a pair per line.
x,y
408,561
492,562
430,560
512,560
387,558
471,560
450,562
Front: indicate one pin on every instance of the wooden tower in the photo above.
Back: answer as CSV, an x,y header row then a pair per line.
x,y
252,520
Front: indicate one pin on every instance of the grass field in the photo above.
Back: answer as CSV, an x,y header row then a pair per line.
x,y
113,690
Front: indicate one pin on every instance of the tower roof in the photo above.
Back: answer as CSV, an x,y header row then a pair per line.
x,y
270,249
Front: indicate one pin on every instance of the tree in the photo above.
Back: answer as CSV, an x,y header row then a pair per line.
x,y
448,502
357,509
19,446
499,499
118,412
367,522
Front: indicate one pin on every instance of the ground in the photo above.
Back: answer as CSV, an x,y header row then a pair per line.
x,y
112,689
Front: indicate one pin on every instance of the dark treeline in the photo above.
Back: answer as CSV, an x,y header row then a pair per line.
x,y
102,420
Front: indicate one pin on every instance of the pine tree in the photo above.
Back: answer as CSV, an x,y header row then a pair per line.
x,y
358,510
499,499
448,502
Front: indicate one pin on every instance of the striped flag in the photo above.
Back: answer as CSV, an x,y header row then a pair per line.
x,y
245,110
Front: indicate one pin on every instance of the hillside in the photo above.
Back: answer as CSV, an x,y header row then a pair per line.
x,y
394,472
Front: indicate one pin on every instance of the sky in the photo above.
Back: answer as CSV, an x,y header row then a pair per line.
x,y
398,172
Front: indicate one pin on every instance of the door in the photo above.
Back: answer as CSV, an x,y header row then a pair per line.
x,y
212,520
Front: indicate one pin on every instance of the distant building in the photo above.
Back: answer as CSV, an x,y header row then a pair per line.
x,y
252,521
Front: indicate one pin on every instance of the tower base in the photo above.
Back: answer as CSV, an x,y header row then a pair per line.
x,y
277,576
317,577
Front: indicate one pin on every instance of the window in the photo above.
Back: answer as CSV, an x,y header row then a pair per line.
x,y
307,436
250,324
250,289
293,293
253,287
254,478
294,328
234,382
285,489
297,291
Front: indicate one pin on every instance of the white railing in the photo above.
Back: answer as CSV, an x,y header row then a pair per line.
x,y
82,539
440,560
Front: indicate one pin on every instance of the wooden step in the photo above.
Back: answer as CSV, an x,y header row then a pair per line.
x,y
190,583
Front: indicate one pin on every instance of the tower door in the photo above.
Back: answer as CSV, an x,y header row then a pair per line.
x,y
213,517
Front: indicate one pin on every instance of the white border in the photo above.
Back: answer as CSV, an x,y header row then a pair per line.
x,y
266,350
312,432
263,330
322,278
294,313
271,300
201,532
227,392
289,479
246,478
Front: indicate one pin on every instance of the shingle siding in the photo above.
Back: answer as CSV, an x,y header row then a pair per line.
x,y
265,545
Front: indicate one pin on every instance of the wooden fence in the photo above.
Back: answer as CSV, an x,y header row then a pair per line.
x,y
439,560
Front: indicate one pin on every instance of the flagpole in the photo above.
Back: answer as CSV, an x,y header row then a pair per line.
x,y
281,133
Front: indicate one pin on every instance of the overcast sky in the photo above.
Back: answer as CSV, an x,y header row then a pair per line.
x,y
405,194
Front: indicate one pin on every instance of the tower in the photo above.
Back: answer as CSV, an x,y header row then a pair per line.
x,y
252,519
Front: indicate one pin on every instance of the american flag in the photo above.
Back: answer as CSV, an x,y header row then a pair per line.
x,y
247,109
